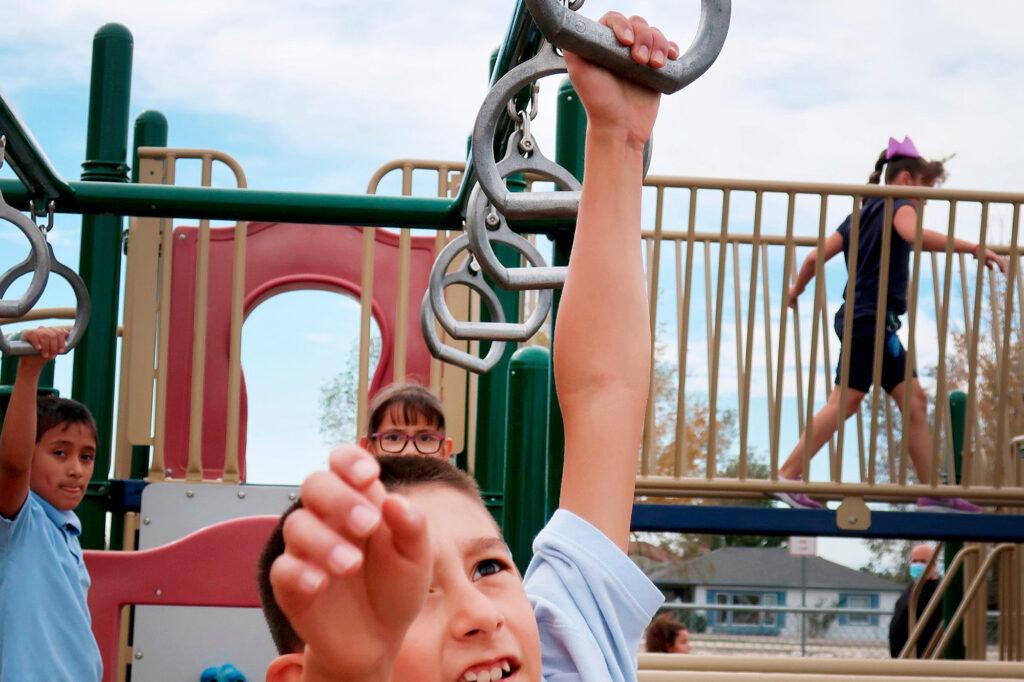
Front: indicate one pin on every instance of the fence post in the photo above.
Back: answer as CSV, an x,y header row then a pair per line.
x,y
100,259
955,594
526,459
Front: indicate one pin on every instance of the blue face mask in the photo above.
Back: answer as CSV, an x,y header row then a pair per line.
x,y
916,570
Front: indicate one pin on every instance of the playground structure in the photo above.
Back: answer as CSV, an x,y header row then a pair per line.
x,y
188,290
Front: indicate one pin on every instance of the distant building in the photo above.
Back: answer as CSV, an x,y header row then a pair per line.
x,y
756,576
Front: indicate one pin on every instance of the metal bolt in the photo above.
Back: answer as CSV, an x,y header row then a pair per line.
x,y
168,471
159,592
146,521
182,236
138,655
241,494
292,496
852,518
190,493
493,220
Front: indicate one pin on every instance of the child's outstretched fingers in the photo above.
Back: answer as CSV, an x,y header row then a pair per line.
x,y
296,583
408,528
313,541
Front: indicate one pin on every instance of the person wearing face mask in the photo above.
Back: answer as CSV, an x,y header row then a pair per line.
x,y
920,555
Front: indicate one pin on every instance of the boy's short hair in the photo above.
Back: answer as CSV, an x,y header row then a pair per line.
x,y
52,411
396,472
405,402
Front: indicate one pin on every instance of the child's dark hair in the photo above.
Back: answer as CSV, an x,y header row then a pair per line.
x,y
396,472
52,411
405,402
929,172
661,633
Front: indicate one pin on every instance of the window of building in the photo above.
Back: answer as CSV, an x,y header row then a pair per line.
x,y
753,617
858,601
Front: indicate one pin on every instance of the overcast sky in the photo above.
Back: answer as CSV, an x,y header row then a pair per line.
x,y
316,94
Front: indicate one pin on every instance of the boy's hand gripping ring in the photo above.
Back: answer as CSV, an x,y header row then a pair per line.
x,y
83,307
567,30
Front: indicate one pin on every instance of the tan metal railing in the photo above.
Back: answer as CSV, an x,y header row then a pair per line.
x,y
673,453
672,466
147,314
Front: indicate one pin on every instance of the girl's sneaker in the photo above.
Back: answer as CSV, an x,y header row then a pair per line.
x,y
797,500
956,505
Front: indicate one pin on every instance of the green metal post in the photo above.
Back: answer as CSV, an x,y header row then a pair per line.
x,y
100,258
570,140
526,463
955,594
150,131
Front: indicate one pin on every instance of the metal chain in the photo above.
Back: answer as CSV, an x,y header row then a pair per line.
x,y
3,149
573,5
527,145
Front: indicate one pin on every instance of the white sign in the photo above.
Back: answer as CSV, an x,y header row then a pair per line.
x,y
803,546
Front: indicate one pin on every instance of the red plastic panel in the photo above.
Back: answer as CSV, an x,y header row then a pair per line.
x,y
279,257
215,566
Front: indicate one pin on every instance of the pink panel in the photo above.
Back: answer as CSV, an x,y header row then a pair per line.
x,y
279,257
176,574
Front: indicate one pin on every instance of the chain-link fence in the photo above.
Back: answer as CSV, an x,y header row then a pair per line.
x,y
813,631
785,630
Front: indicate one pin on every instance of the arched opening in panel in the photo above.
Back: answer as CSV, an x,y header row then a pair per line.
x,y
300,355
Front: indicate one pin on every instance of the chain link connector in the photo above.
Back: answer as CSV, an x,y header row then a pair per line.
x,y
3,149
48,213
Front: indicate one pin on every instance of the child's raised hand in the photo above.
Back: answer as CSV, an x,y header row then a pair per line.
x,y
794,294
615,102
48,341
991,259
356,567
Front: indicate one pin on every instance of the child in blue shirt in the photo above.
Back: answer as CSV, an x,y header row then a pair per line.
x,y
47,451
393,569
903,166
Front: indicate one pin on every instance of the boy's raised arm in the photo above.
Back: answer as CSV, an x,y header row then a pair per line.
x,y
18,438
603,336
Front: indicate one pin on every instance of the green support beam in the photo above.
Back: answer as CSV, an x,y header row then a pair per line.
x,y
100,259
150,131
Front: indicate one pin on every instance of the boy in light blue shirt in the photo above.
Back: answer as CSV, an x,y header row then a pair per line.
x,y
392,568
47,452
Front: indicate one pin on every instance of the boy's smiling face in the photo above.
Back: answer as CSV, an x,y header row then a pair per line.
x,y
62,464
477,623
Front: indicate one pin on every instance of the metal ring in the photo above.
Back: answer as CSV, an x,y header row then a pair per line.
x,y
516,204
38,259
574,32
454,356
521,204
481,233
83,307
441,279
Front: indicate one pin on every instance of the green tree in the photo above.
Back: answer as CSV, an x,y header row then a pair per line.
x,y
339,397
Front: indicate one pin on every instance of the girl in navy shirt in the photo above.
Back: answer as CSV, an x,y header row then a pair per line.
x,y
903,165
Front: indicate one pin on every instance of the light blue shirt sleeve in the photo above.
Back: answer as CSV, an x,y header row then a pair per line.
x,y
591,602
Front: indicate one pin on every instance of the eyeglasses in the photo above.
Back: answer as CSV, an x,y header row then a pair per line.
x,y
393,442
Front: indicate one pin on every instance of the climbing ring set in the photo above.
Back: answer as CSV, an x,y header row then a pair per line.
x,y
491,204
40,263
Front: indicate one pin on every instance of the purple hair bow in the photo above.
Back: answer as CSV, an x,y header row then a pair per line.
x,y
905,148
